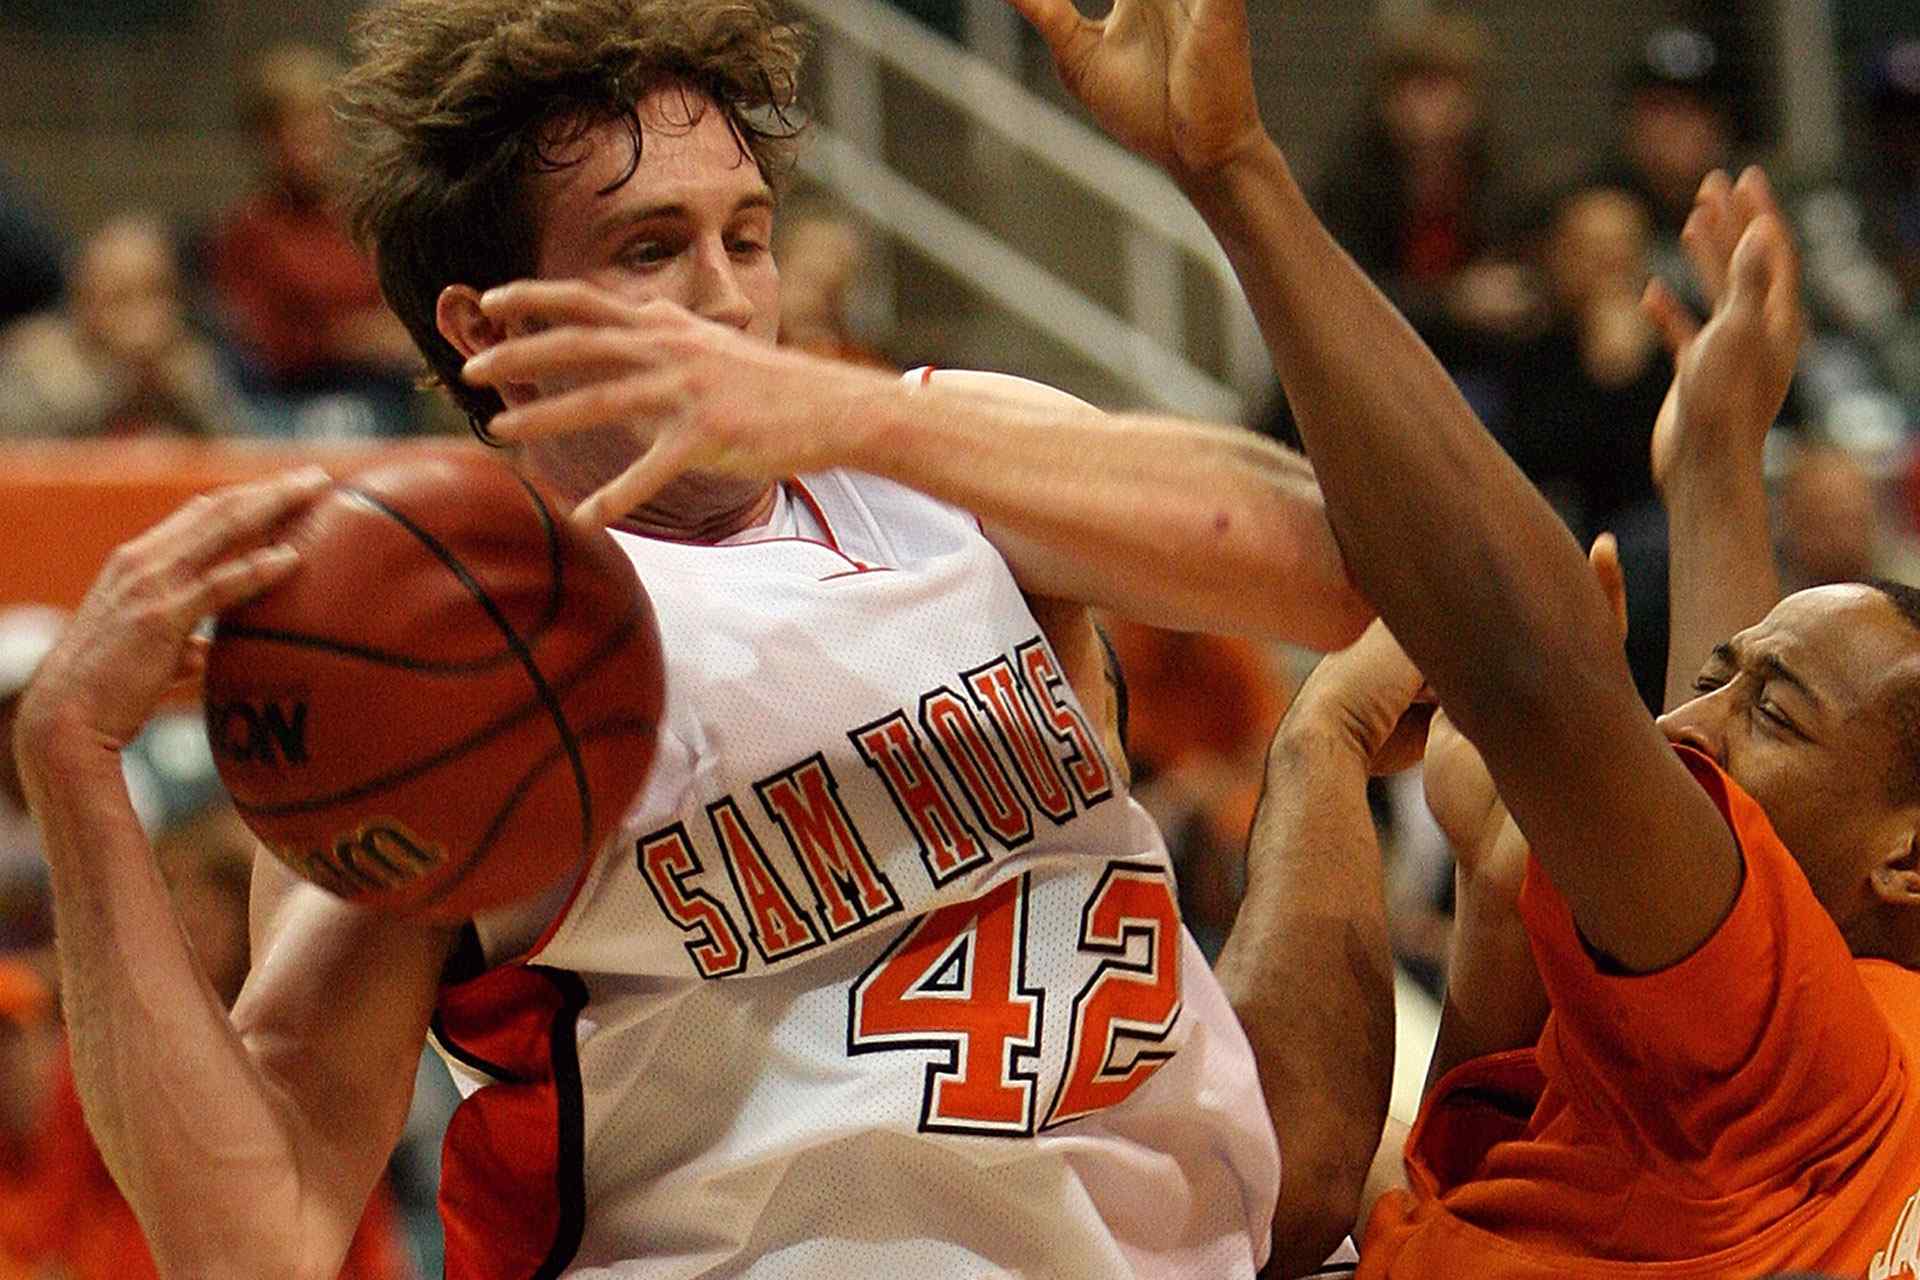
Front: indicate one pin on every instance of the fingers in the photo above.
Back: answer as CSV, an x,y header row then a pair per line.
x,y
1670,316
244,577
1711,232
1057,21
526,306
213,524
640,482
1605,559
635,398
573,350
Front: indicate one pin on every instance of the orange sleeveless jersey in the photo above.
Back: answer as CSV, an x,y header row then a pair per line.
x,y
1753,1108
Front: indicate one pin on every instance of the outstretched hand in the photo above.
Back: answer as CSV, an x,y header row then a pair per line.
x,y
1730,375
1171,80
695,396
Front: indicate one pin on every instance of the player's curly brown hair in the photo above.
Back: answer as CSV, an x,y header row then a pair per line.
x,y
452,104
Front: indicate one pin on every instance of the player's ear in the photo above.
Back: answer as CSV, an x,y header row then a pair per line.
x,y
458,317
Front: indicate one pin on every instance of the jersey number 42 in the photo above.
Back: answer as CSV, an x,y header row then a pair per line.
x,y
956,981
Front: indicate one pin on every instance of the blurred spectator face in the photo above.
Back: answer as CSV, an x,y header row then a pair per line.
x,y
1430,72
1675,137
1597,240
290,105
817,257
126,292
1828,526
1431,110
208,864
299,142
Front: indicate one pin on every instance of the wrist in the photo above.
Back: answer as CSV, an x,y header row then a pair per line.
x,y
1705,473
1251,173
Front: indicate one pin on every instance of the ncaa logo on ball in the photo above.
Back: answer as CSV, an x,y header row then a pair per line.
x,y
375,857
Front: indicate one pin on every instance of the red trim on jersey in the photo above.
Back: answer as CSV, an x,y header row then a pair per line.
x,y
805,495
512,1173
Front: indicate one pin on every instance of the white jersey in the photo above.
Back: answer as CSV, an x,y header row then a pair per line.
x,y
884,975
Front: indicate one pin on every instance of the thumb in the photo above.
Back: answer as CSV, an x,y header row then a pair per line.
x,y
1605,559
1677,326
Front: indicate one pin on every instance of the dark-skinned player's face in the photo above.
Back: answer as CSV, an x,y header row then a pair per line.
x,y
1798,709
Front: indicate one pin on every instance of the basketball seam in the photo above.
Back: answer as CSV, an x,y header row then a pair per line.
x,y
484,846
614,641
383,657
543,692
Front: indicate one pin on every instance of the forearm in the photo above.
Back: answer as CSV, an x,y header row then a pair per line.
x,y
1440,529
1721,574
1495,1000
197,1137
1195,526
1309,971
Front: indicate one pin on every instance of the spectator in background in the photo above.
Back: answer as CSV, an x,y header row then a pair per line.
x,y
1410,192
120,360
1200,711
31,268
60,1214
319,347
820,254
1828,523
1675,126
1862,369
1582,394
27,632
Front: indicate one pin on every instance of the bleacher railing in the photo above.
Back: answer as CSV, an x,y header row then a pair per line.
x,y
1149,347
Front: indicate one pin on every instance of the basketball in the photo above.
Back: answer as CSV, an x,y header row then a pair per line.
x,y
452,700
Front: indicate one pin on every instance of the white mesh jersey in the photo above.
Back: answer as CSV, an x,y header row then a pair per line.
x,y
884,976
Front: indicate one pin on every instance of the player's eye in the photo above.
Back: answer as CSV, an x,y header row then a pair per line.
x,y
1769,711
642,253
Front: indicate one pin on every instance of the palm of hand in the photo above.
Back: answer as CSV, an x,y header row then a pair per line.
x,y
1733,373
1169,81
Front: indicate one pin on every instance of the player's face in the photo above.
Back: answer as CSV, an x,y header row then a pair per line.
x,y
1797,710
692,226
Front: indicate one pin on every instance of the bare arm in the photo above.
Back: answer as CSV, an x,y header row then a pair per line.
x,y
246,1147
1730,379
1307,965
1178,523
1466,562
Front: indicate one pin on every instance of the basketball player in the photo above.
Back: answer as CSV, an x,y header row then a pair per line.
x,y
1725,906
1727,932
884,975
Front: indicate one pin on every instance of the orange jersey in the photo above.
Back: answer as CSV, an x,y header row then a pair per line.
x,y
1753,1108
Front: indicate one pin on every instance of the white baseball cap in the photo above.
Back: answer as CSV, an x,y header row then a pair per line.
x,y
27,634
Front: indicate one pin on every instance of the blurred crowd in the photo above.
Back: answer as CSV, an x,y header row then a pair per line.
x,y
1523,271
266,322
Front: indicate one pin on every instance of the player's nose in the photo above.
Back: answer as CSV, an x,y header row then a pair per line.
x,y
718,294
1700,724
